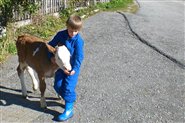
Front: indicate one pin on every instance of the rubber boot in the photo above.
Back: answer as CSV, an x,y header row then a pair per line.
x,y
68,112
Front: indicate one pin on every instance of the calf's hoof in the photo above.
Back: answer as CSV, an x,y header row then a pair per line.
x,y
43,103
44,106
35,87
25,96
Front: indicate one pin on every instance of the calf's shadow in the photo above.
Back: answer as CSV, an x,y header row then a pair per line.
x,y
8,97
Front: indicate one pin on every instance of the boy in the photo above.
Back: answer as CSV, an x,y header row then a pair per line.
x,y
66,81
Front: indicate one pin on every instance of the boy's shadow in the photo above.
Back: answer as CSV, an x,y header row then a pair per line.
x,y
8,98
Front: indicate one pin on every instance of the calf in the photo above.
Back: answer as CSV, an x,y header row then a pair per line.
x,y
33,55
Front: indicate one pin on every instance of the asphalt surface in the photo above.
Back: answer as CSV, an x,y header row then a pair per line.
x,y
161,23
122,80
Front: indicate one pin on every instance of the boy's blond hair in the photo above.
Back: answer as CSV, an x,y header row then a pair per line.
x,y
74,22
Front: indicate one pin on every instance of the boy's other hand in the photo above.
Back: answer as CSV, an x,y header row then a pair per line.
x,y
72,72
69,73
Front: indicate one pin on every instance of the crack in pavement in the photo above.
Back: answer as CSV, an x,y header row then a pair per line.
x,y
180,64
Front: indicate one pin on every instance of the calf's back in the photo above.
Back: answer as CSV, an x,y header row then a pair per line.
x,y
33,51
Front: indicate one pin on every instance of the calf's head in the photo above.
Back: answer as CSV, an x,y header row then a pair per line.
x,y
62,56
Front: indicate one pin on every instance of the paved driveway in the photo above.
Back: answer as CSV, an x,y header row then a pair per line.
x,y
122,80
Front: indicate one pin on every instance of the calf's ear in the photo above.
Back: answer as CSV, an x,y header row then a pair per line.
x,y
50,48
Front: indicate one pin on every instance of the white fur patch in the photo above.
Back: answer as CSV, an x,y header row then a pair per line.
x,y
62,58
34,80
34,52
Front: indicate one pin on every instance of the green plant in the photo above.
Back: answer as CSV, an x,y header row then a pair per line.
x,y
65,13
114,4
45,28
8,7
7,43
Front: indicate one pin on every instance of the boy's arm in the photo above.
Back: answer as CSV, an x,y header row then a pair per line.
x,y
78,54
53,43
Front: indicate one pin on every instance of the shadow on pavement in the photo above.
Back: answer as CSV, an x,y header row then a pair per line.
x,y
9,98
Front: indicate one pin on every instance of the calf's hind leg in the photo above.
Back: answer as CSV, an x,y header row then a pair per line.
x,y
34,80
20,70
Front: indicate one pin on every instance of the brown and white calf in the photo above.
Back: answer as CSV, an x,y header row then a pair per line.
x,y
33,55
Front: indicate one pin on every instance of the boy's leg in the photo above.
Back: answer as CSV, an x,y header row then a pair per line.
x,y
68,88
59,75
68,112
69,95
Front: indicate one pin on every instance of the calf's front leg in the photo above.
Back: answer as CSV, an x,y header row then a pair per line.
x,y
42,90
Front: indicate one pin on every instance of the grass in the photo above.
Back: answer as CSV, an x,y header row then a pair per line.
x,y
46,26
42,26
7,44
114,5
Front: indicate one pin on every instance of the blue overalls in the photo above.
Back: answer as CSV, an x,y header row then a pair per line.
x,y
65,85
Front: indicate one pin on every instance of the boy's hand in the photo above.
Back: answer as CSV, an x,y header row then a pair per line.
x,y
69,73
72,72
